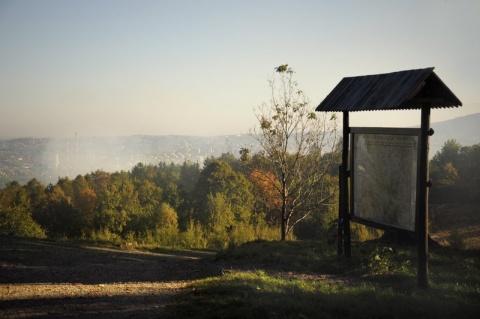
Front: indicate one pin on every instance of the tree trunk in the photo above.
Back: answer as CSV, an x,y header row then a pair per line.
x,y
284,219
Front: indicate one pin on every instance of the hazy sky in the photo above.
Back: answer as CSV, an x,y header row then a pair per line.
x,y
113,67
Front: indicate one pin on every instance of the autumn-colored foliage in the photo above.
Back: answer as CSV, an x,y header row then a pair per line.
x,y
267,193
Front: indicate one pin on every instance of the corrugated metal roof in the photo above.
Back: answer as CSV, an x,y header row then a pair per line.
x,y
411,89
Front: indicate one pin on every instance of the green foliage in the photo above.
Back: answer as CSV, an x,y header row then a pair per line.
x,y
166,217
173,195
116,203
160,237
59,216
194,236
66,185
283,68
216,178
36,193
241,233
163,205
148,193
17,222
361,233
189,174
220,221
228,158
387,260
449,152
455,174
267,233
85,205
107,236
16,212
98,181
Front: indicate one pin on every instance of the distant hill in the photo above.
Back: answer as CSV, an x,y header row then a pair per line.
x,y
48,159
465,129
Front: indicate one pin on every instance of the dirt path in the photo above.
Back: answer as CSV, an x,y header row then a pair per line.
x,y
46,279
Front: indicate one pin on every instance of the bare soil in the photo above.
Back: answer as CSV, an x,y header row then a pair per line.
x,y
455,225
47,279
40,278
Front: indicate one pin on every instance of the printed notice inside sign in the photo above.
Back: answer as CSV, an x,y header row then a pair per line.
x,y
384,168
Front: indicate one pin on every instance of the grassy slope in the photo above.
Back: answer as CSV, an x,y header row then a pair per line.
x,y
287,280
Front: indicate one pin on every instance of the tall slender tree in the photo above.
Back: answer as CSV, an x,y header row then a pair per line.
x,y
293,139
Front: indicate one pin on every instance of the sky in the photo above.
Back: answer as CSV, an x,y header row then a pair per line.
x,y
120,68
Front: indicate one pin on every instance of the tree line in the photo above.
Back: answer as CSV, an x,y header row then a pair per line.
x,y
225,203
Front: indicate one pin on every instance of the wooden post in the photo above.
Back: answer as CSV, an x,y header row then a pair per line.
x,y
344,187
422,222
340,213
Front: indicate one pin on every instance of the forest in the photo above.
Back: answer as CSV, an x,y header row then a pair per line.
x,y
224,203
168,205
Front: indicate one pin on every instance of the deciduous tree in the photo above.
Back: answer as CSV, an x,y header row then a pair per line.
x,y
294,138
117,204
15,213
219,177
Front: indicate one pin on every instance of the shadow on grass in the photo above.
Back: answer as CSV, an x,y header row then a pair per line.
x,y
256,295
42,261
137,306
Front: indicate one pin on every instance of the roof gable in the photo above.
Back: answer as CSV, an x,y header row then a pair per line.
x,y
411,89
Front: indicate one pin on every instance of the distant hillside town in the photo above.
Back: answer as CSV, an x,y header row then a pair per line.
x,y
48,159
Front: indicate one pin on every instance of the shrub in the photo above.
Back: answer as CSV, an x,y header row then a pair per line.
x,y
193,236
19,223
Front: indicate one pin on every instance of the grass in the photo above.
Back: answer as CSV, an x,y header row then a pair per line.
x,y
287,280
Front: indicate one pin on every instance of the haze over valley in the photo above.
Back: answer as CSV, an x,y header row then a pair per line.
x,y
47,159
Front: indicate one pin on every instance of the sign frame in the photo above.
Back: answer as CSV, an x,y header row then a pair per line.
x,y
394,138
